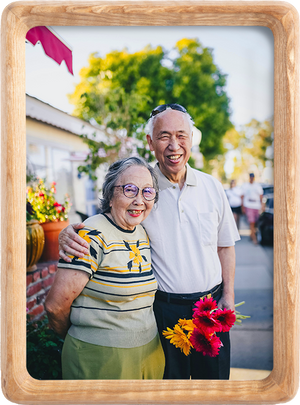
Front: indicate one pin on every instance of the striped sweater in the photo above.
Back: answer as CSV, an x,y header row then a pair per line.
x,y
115,308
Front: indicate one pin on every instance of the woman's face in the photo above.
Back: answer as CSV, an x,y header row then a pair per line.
x,y
129,212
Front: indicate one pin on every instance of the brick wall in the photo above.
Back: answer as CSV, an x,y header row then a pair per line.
x,y
38,284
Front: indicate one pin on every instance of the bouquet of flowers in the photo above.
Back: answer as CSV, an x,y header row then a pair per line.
x,y
43,202
200,332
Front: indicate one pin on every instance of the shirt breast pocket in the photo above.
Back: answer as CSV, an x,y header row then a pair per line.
x,y
208,227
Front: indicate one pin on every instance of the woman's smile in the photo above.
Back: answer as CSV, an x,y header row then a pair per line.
x,y
135,213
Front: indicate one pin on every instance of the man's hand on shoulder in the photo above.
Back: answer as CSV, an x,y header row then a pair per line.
x,y
70,242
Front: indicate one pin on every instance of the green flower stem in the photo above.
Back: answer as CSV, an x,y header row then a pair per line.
x,y
238,315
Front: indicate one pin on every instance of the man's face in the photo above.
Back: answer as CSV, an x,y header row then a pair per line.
x,y
171,141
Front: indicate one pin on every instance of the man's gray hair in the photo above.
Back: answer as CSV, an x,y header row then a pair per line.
x,y
114,172
150,123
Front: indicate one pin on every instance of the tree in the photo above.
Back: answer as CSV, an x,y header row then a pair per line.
x,y
120,89
250,146
199,86
259,137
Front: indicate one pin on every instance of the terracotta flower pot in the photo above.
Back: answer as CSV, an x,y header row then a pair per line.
x,y
51,231
35,241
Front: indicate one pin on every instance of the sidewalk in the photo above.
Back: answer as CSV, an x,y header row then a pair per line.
x,y
252,342
248,374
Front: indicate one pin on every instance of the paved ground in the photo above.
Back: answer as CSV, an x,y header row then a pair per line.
x,y
252,342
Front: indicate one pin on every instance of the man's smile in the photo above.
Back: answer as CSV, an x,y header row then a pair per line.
x,y
174,158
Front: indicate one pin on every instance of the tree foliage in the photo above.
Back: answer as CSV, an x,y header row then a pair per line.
x,y
250,145
120,89
259,136
199,86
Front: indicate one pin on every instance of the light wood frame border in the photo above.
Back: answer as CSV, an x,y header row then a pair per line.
x,y
282,18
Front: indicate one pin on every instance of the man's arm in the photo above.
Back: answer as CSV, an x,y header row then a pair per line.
x,y
67,285
227,259
70,242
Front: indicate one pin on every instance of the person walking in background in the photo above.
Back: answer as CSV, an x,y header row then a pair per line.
x,y
235,201
252,194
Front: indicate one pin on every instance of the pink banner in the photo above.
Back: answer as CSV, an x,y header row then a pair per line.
x,y
53,46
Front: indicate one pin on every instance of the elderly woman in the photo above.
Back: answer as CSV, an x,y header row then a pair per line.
x,y
103,303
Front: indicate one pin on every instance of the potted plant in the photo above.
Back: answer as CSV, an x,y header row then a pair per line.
x,y
52,215
35,239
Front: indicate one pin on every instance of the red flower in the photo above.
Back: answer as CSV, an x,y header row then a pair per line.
x,y
58,207
209,345
206,322
206,304
225,318
41,194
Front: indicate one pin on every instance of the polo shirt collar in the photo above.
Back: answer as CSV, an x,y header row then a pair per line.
x,y
164,183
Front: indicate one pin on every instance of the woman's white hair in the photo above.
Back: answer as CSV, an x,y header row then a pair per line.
x,y
150,123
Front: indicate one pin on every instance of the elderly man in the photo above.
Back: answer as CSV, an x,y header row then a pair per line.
x,y
192,233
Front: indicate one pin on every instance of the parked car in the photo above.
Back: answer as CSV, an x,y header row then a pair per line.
x,y
267,188
265,221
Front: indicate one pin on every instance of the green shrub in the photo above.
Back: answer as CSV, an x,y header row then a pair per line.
x,y
43,351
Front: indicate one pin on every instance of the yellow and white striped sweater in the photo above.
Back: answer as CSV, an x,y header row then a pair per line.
x,y
116,306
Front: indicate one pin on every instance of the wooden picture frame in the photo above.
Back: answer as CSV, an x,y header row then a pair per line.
x,y
282,383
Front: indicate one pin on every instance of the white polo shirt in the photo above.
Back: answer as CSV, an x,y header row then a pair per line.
x,y
234,197
185,228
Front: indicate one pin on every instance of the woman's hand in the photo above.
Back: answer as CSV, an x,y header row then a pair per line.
x,y
67,285
70,242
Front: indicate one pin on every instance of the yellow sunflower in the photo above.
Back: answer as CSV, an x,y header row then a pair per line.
x,y
178,336
135,255
187,325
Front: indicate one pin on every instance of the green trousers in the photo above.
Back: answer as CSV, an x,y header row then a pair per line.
x,y
85,361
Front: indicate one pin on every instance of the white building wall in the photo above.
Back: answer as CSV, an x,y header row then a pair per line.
x,y
54,152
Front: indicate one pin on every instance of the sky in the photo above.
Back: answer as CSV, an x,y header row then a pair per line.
x,y
244,54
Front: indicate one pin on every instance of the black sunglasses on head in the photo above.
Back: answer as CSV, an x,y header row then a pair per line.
x,y
163,107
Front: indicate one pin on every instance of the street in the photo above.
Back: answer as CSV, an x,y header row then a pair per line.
x,y
252,342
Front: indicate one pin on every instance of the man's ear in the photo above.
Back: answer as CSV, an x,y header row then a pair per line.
x,y
149,140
